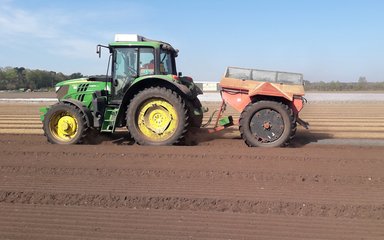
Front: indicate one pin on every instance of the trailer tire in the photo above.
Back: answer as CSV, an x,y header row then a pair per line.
x,y
267,124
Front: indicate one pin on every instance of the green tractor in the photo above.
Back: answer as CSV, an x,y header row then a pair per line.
x,y
144,93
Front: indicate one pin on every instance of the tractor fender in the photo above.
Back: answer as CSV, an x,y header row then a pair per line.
x,y
159,81
184,89
191,94
83,108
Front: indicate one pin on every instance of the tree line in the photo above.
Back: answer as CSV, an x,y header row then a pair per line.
x,y
20,78
361,85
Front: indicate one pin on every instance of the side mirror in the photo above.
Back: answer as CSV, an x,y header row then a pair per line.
x,y
179,74
98,50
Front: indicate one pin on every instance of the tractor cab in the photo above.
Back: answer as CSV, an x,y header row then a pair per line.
x,y
135,57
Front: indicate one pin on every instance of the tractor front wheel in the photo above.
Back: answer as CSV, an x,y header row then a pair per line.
x,y
267,124
64,124
157,116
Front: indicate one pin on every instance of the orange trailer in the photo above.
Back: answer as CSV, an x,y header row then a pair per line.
x,y
269,103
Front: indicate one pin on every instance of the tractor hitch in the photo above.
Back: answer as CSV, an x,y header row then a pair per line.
x,y
302,123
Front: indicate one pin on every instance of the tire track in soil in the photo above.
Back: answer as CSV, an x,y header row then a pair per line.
x,y
195,204
264,193
249,154
262,189
159,156
190,174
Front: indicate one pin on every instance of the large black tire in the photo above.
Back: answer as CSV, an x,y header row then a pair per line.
x,y
65,124
195,121
267,124
157,116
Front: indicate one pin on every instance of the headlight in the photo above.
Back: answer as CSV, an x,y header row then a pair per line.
x,y
57,88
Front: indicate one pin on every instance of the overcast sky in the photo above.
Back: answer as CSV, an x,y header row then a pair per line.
x,y
327,40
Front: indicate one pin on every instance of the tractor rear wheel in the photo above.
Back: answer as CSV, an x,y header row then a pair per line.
x,y
195,121
64,124
267,124
157,116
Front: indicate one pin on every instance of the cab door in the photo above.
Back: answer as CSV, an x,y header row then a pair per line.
x,y
130,63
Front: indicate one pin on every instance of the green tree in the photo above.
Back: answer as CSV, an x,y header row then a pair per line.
x,y
362,83
21,80
76,75
10,78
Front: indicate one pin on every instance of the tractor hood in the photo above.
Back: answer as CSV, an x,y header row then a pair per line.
x,y
70,89
70,82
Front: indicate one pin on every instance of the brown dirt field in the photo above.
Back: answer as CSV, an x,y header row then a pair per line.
x,y
215,189
13,95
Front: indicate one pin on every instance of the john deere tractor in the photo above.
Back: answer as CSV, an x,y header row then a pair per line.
x,y
144,93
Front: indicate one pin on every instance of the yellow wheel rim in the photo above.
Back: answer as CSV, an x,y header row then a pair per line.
x,y
63,126
157,120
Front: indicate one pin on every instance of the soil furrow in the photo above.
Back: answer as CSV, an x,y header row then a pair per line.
x,y
331,196
190,174
198,204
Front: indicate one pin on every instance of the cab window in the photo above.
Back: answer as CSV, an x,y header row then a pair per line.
x,y
147,61
166,62
130,63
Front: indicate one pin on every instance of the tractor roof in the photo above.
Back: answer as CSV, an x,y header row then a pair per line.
x,y
137,40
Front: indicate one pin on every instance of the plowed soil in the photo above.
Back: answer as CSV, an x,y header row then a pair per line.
x,y
328,185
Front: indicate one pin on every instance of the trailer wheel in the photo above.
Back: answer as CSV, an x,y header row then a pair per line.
x,y
64,124
267,124
157,116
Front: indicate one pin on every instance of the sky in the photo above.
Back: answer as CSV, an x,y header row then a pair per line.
x,y
327,40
